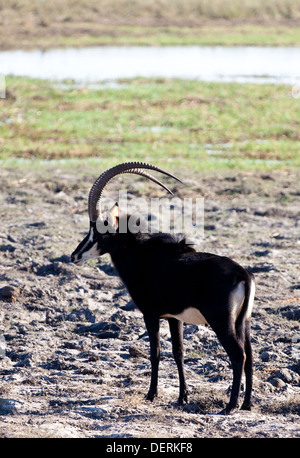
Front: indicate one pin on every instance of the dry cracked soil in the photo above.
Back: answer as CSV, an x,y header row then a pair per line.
x,y
74,349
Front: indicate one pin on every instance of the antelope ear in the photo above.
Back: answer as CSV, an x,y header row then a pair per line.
x,y
114,213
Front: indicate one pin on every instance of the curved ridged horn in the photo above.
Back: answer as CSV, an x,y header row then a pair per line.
x,y
98,187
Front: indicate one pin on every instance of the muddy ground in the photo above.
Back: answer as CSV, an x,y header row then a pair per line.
x,y
74,350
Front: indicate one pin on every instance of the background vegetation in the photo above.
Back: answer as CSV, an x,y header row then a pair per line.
x,y
88,22
183,122
176,12
215,125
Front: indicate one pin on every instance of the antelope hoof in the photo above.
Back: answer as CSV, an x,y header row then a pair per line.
x,y
246,407
183,400
150,396
228,410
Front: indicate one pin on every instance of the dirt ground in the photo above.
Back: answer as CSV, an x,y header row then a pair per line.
x,y
74,350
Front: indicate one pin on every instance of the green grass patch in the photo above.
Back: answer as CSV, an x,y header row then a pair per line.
x,y
206,35
180,122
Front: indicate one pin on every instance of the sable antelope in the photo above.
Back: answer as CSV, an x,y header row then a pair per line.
x,y
167,278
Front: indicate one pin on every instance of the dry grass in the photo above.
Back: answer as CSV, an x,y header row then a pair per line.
x,y
43,24
278,407
150,12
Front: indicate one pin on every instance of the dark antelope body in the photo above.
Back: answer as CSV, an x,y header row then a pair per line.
x,y
167,278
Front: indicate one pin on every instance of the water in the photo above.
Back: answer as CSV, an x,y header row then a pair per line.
x,y
209,63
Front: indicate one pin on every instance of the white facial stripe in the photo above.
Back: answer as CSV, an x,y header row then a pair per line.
x,y
85,253
91,235
91,253
89,240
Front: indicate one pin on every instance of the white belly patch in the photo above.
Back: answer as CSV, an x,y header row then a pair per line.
x,y
191,315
